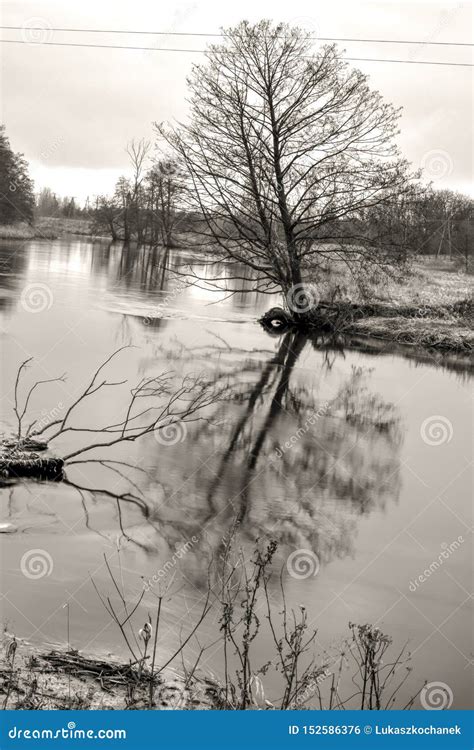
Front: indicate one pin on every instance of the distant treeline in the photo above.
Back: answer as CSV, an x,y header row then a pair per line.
x,y
49,204
150,208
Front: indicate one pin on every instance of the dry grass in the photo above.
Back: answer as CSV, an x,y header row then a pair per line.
x,y
446,335
427,303
49,225
46,227
429,284
21,231
423,281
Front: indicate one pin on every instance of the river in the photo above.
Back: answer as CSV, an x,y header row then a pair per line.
x,y
354,457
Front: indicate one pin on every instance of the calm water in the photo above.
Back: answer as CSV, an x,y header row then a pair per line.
x,y
321,450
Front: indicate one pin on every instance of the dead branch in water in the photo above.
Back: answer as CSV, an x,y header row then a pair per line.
x,y
154,405
20,412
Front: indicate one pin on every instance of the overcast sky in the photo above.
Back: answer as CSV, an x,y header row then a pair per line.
x,y
71,111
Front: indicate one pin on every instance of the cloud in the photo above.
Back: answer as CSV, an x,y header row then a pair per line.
x,y
93,101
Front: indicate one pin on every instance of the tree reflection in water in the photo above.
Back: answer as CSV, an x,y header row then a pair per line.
x,y
287,465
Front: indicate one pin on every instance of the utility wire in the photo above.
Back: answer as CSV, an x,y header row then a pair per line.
x,y
202,34
191,51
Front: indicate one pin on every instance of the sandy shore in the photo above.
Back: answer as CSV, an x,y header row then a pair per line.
x,y
32,678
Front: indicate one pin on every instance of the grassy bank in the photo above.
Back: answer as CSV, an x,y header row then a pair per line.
x,y
47,228
454,335
429,304
437,295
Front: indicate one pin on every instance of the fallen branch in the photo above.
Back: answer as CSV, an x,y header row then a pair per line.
x,y
164,407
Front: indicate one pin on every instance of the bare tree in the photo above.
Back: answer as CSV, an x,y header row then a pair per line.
x,y
138,152
164,187
147,206
285,151
106,216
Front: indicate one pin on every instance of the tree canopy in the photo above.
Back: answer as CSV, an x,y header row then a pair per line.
x,y
286,151
16,187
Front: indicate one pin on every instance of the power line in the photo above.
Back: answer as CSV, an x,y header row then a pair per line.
x,y
201,51
215,35
410,62
98,46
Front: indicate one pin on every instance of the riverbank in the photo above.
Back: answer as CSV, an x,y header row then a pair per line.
x,y
34,678
46,228
454,335
60,679
430,306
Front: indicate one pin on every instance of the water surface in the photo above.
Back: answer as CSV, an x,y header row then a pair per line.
x,y
319,447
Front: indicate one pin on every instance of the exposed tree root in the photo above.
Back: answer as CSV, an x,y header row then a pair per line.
x,y
444,327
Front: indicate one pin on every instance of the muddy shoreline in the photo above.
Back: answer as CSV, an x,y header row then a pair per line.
x,y
32,678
